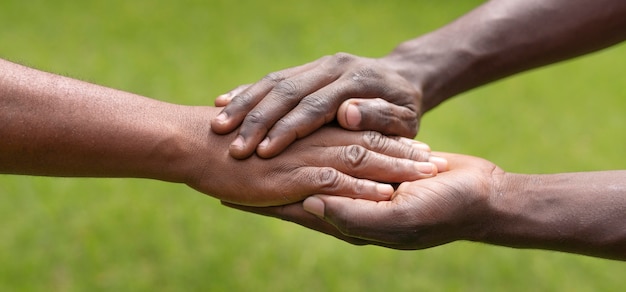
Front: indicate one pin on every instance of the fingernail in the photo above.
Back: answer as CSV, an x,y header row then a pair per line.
x,y
264,143
425,167
238,143
314,205
221,118
226,95
385,189
353,115
440,162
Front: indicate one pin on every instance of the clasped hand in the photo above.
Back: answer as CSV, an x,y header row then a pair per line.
x,y
421,214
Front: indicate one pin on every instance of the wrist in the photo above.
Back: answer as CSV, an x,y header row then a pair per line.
x,y
503,209
434,65
182,154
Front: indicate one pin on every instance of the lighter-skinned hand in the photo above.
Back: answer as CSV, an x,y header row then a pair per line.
x,y
331,161
421,214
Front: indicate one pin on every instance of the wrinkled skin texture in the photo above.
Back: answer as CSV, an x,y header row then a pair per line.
x,y
421,214
290,104
58,126
330,161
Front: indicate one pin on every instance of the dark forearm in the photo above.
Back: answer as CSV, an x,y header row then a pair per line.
x,y
581,213
53,125
503,37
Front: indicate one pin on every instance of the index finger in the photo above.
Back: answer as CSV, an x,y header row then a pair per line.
x,y
279,102
243,101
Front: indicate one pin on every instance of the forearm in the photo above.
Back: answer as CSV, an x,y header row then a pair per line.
x,y
503,37
581,213
58,126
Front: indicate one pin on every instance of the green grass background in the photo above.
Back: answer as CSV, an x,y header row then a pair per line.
x,y
140,235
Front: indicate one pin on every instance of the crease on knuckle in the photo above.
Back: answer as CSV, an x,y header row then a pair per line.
x,y
314,103
354,156
255,117
318,107
242,99
274,77
328,179
287,89
375,140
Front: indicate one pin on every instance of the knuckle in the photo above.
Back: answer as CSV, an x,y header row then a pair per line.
x,y
242,99
342,58
315,106
354,156
273,77
385,115
328,178
287,89
375,140
406,122
255,117
366,72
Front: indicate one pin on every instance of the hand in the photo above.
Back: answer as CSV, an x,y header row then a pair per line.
x,y
291,104
332,161
421,214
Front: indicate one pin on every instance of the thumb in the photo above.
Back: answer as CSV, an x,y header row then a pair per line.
x,y
356,218
337,209
361,114
314,205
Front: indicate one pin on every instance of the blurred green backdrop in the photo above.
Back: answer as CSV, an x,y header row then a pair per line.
x,y
139,235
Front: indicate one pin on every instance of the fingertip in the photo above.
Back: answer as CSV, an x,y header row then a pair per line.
x,y
385,190
440,162
220,125
265,149
426,168
223,100
238,149
274,144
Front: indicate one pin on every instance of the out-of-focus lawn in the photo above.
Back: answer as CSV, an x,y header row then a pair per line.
x,y
140,235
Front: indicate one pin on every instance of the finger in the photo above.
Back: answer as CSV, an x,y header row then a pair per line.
x,y
310,114
243,101
295,213
357,161
329,181
378,115
440,162
284,96
368,220
360,114
313,112
391,146
225,98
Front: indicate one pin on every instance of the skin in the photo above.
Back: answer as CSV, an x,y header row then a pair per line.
x,y
583,213
495,40
58,126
